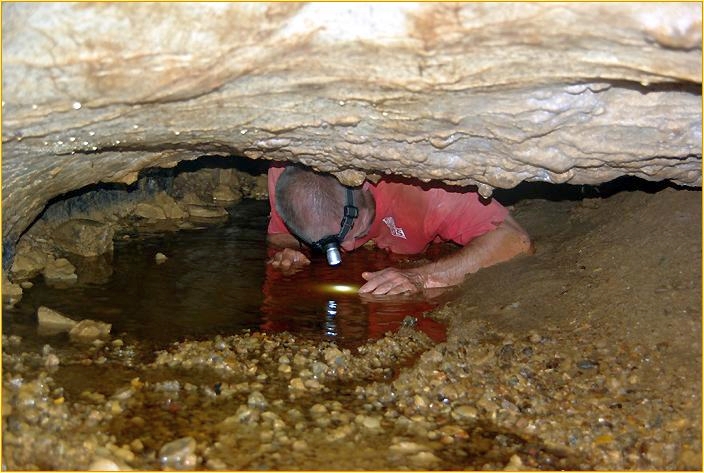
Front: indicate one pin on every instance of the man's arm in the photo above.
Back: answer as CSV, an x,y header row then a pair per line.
x,y
506,241
283,240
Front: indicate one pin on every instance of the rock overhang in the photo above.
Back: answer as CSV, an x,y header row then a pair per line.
x,y
470,94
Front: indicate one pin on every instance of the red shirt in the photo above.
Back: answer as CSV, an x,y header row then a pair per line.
x,y
409,218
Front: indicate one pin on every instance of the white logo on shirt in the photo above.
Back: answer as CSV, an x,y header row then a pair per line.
x,y
395,231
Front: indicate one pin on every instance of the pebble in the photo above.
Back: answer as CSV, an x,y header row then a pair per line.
x,y
587,364
114,407
138,421
424,459
319,369
406,447
419,402
534,337
296,384
104,464
299,360
312,384
464,412
454,431
333,356
160,258
247,415
52,361
179,454
340,433
514,464
137,446
318,410
256,400
123,453
299,445
123,394
369,422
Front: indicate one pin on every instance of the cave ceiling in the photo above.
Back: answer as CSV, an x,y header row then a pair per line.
x,y
478,94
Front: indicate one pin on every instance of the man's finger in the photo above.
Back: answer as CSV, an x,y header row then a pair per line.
x,y
371,285
383,288
377,283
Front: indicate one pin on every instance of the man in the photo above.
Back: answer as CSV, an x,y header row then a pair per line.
x,y
398,217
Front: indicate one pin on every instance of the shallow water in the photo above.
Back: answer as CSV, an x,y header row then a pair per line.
x,y
216,281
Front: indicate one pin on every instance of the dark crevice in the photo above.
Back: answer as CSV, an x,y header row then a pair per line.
x,y
571,192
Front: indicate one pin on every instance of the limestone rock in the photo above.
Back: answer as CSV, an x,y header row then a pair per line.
x,y
169,206
468,93
259,189
149,211
89,330
60,271
207,212
54,321
11,292
27,264
84,237
94,269
226,194
191,198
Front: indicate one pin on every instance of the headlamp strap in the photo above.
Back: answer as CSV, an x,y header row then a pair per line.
x,y
350,213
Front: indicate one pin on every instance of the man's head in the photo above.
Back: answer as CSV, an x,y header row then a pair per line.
x,y
312,206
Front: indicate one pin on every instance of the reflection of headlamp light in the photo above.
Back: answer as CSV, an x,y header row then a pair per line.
x,y
330,244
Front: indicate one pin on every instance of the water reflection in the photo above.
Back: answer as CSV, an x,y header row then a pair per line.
x,y
330,327
216,281
322,301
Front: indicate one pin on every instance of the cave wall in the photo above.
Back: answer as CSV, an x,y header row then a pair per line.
x,y
470,94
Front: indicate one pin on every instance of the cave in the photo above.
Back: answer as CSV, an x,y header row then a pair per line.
x,y
144,329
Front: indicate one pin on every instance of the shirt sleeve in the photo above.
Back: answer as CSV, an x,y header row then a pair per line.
x,y
462,216
276,224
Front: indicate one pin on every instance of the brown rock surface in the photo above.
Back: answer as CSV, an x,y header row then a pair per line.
x,y
84,237
481,94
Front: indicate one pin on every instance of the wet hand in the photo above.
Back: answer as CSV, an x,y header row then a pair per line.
x,y
288,260
392,281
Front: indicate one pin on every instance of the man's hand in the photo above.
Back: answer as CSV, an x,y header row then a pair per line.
x,y
288,260
392,281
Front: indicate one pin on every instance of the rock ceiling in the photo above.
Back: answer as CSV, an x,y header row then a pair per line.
x,y
470,94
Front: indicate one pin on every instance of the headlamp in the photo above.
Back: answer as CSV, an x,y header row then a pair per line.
x,y
330,244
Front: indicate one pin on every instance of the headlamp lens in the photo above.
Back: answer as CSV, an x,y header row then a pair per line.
x,y
332,253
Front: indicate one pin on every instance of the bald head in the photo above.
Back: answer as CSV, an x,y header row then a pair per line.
x,y
311,204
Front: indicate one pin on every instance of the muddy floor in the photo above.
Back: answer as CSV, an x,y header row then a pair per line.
x,y
586,355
